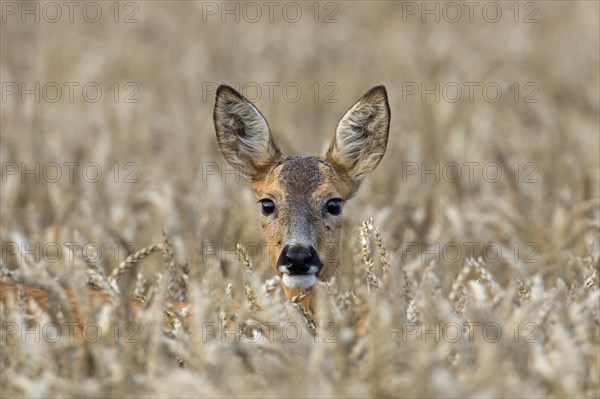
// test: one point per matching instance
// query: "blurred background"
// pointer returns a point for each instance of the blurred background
(107, 132)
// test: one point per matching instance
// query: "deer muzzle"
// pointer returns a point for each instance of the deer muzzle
(299, 266)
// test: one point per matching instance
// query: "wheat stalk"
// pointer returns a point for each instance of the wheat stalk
(251, 300)
(365, 235)
(383, 255)
(459, 282)
(130, 262)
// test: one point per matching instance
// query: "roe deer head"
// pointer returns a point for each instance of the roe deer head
(302, 198)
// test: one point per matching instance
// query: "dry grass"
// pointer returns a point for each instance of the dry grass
(374, 333)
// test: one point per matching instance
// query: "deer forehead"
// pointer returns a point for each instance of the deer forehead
(301, 176)
(300, 180)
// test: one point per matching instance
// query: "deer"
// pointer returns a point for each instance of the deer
(302, 197)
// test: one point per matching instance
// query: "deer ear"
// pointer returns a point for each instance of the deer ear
(243, 134)
(361, 136)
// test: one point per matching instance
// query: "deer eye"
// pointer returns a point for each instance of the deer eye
(334, 206)
(268, 206)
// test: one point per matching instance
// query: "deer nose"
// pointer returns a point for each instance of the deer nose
(298, 256)
(299, 260)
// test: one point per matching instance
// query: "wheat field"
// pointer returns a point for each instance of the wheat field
(471, 254)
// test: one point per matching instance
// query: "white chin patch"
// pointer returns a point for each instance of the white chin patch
(303, 281)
